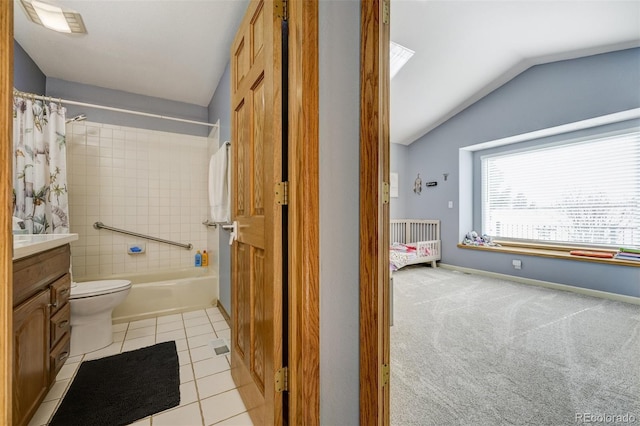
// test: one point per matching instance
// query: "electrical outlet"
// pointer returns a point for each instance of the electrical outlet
(517, 264)
(450, 204)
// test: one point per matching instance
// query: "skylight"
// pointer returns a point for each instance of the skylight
(398, 57)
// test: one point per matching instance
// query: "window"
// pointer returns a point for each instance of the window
(584, 192)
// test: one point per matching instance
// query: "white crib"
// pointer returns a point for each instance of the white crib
(424, 234)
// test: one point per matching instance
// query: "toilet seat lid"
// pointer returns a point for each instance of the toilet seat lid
(93, 288)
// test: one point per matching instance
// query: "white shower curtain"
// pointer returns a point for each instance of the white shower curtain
(40, 166)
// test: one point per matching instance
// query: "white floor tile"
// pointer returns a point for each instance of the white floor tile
(140, 332)
(57, 390)
(216, 317)
(112, 349)
(225, 334)
(181, 345)
(210, 390)
(194, 314)
(142, 323)
(67, 371)
(240, 420)
(43, 414)
(120, 327)
(189, 415)
(171, 335)
(188, 393)
(201, 352)
(220, 325)
(74, 359)
(210, 366)
(141, 342)
(200, 340)
(215, 384)
(222, 406)
(199, 329)
(170, 326)
(170, 318)
(186, 373)
(184, 358)
(191, 322)
(212, 310)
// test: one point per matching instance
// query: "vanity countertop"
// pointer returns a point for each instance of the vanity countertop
(27, 245)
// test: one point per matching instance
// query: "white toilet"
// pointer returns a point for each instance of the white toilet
(92, 303)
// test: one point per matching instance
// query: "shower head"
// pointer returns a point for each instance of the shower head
(80, 117)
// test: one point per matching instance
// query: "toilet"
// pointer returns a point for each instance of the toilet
(92, 303)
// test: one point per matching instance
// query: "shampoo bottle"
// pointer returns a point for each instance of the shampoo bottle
(205, 258)
(198, 259)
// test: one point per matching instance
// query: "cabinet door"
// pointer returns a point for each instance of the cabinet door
(30, 356)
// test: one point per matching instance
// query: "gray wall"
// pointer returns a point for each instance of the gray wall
(399, 160)
(339, 46)
(27, 76)
(542, 96)
(220, 109)
(118, 99)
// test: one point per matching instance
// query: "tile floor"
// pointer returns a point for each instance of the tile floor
(207, 393)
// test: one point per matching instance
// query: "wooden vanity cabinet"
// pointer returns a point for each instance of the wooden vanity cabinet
(41, 314)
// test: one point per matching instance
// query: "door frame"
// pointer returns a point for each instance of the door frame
(6, 188)
(304, 230)
(374, 212)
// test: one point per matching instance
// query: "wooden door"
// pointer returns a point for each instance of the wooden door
(257, 254)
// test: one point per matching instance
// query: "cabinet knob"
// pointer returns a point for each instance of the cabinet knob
(63, 324)
(53, 305)
(63, 356)
(64, 291)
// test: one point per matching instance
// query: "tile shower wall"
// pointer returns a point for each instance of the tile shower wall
(145, 181)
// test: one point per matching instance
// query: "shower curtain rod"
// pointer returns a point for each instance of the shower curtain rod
(126, 111)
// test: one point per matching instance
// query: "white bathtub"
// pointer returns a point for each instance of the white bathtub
(165, 293)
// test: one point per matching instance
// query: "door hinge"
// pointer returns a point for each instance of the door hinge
(282, 9)
(282, 380)
(385, 12)
(282, 193)
(385, 193)
(385, 374)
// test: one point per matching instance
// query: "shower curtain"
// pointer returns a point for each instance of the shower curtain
(40, 166)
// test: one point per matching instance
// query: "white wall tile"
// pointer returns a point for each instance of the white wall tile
(140, 180)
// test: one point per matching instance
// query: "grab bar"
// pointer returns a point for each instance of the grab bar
(223, 225)
(100, 225)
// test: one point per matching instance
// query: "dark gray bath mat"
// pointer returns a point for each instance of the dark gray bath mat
(123, 388)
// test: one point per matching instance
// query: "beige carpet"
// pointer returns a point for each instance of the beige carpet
(472, 350)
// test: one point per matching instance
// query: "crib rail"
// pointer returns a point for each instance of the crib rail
(412, 230)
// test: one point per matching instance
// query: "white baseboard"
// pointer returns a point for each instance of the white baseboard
(547, 284)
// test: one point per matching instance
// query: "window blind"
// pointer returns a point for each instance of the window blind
(584, 192)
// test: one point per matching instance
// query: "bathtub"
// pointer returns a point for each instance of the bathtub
(164, 293)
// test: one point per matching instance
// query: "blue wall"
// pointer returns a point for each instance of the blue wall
(27, 76)
(543, 96)
(339, 152)
(398, 162)
(220, 109)
(57, 88)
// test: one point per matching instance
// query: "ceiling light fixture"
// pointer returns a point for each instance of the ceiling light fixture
(54, 17)
(398, 56)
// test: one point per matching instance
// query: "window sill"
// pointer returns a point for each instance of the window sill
(555, 252)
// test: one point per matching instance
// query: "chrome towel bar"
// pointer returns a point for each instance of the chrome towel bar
(100, 225)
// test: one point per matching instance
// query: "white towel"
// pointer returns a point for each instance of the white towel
(219, 195)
